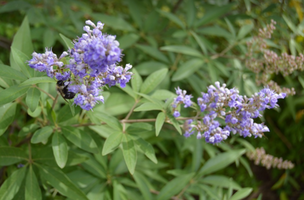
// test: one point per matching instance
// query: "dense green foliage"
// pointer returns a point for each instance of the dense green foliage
(131, 147)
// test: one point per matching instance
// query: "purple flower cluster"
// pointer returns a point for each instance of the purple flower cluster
(182, 98)
(92, 65)
(236, 110)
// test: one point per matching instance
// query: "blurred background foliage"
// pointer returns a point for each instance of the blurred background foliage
(172, 34)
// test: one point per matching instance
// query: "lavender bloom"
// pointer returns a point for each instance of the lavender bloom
(182, 98)
(237, 111)
(45, 62)
(92, 65)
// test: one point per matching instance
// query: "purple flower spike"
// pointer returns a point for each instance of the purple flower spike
(237, 111)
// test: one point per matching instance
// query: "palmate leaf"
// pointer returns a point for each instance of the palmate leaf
(61, 182)
(11, 185)
(153, 81)
(42, 135)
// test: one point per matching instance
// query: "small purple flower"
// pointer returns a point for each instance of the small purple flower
(237, 111)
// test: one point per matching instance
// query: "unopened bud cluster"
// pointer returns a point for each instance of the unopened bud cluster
(270, 62)
(225, 112)
(92, 65)
(259, 156)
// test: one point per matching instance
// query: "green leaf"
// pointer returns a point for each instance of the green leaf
(32, 189)
(60, 149)
(129, 153)
(161, 117)
(11, 73)
(136, 81)
(221, 161)
(28, 129)
(220, 181)
(148, 107)
(244, 31)
(12, 93)
(213, 14)
(153, 81)
(154, 52)
(215, 31)
(7, 115)
(11, 155)
(64, 114)
(49, 38)
(187, 69)
(14, 6)
(11, 185)
(80, 139)
(69, 44)
(32, 98)
(142, 185)
(108, 119)
(290, 24)
(42, 135)
(113, 21)
(175, 123)
(61, 182)
(241, 194)
(22, 40)
(147, 68)
(199, 41)
(183, 50)
(173, 18)
(20, 62)
(112, 142)
(174, 186)
(146, 148)
(35, 80)
(128, 40)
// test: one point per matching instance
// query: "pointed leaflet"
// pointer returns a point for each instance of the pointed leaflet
(22, 39)
(11, 155)
(174, 186)
(129, 153)
(136, 81)
(11, 73)
(7, 115)
(153, 81)
(32, 98)
(42, 134)
(12, 184)
(213, 14)
(80, 139)
(60, 149)
(220, 181)
(220, 161)
(161, 117)
(12, 93)
(67, 41)
(154, 52)
(61, 182)
(32, 189)
(143, 187)
(108, 119)
(187, 69)
(35, 80)
(173, 18)
(183, 50)
(146, 148)
(241, 194)
(112, 142)
(20, 62)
